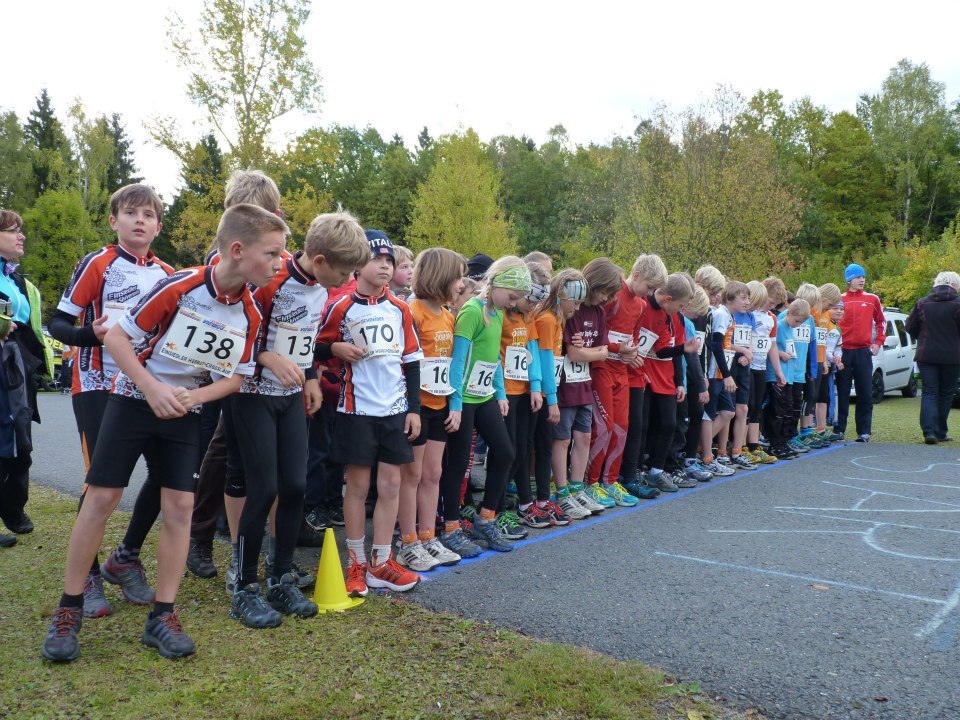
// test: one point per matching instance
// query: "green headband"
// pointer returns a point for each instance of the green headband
(515, 278)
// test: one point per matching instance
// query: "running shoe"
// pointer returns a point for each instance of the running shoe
(416, 558)
(812, 441)
(391, 576)
(440, 553)
(165, 633)
(696, 471)
(130, 577)
(95, 603)
(783, 452)
(335, 514)
(599, 495)
(468, 512)
(511, 488)
(764, 443)
(489, 534)
(573, 509)
(250, 607)
(644, 492)
(582, 497)
(620, 495)
(304, 577)
(356, 581)
(683, 481)
(797, 446)
(836, 437)
(535, 517)
(865, 438)
(718, 469)
(740, 461)
(61, 643)
(725, 460)
(285, 596)
(556, 514)
(509, 526)
(200, 559)
(458, 543)
(661, 481)
(762, 457)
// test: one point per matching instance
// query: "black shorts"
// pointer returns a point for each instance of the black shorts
(741, 376)
(88, 409)
(432, 425)
(367, 440)
(129, 430)
(720, 400)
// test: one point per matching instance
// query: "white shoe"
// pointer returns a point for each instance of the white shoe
(416, 558)
(572, 508)
(441, 553)
(587, 502)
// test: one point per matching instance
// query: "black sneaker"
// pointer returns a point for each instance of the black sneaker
(312, 528)
(489, 534)
(285, 596)
(304, 577)
(783, 452)
(61, 644)
(8, 540)
(130, 577)
(21, 525)
(930, 439)
(200, 559)
(249, 607)
(335, 514)
(165, 633)
(865, 438)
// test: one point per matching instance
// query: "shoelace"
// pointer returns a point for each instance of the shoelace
(65, 620)
(172, 623)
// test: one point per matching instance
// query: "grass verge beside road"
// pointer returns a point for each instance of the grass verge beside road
(387, 658)
(897, 420)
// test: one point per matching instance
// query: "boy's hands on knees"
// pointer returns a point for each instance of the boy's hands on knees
(348, 352)
(504, 407)
(288, 372)
(411, 426)
(553, 414)
(100, 327)
(536, 401)
(165, 401)
(312, 398)
(729, 384)
(452, 423)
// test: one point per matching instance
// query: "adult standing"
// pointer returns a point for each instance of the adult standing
(863, 329)
(23, 356)
(935, 323)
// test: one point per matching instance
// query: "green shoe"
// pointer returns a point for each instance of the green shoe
(599, 495)
(509, 526)
(620, 495)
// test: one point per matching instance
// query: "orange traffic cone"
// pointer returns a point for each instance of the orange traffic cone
(331, 591)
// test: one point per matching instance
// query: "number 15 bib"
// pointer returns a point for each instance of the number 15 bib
(203, 343)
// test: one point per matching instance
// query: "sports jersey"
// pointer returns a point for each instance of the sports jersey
(550, 343)
(803, 337)
(785, 343)
(764, 329)
(834, 342)
(638, 375)
(518, 330)
(823, 325)
(484, 347)
(589, 323)
(383, 326)
(292, 305)
(623, 315)
(435, 331)
(863, 323)
(737, 330)
(106, 282)
(189, 331)
(663, 362)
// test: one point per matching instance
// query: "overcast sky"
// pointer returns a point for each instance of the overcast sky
(517, 67)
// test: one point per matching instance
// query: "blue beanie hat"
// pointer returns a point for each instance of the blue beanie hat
(853, 271)
(380, 244)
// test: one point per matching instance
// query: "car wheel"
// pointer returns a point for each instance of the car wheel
(876, 387)
(911, 389)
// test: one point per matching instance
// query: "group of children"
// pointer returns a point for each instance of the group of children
(582, 390)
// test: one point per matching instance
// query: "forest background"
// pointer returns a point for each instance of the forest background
(749, 183)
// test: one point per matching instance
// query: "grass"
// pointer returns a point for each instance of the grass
(897, 420)
(387, 658)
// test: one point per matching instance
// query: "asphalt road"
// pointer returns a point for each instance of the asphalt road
(826, 587)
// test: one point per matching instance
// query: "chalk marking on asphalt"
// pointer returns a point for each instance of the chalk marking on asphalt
(806, 578)
(856, 461)
(949, 605)
(796, 511)
(899, 497)
(793, 532)
(903, 482)
(439, 572)
(861, 501)
(869, 537)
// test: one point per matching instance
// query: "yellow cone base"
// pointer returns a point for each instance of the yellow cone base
(331, 590)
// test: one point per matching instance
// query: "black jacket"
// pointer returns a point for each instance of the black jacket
(935, 323)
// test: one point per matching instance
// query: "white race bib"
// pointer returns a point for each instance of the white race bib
(204, 343)
(742, 335)
(557, 368)
(618, 338)
(295, 343)
(729, 355)
(761, 346)
(801, 333)
(792, 349)
(645, 342)
(821, 337)
(576, 372)
(702, 337)
(435, 376)
(516, 363)
(113, 311)
(480, 382)
(378, 335)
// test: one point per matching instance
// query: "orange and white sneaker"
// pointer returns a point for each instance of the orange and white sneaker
(357, 579)
(391, 576)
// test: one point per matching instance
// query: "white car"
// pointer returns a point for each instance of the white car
(893, 367)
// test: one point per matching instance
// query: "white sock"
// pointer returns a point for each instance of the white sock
(355, 548)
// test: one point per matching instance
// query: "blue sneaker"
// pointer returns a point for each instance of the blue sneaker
(644, 492)
(165, 633)
(599, 495)
(620, 495)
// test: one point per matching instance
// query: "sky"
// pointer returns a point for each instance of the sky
(517, 68)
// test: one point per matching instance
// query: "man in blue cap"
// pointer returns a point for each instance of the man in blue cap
(863, 329)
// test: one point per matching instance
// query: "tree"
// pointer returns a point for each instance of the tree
(248, 66)
(95, 156)
(456, 207)
(123, 169)
(59, 232)
(50, 149)
(912, 129)
(16, 169)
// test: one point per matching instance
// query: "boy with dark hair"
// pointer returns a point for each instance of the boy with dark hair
(196, 324)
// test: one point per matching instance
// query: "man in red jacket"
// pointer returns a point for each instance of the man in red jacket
(863, 329)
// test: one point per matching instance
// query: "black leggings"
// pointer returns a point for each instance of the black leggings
(543, 452)
(488, 421)
(758, 389)
(633, 447)
(811, 390)
(269, 436)
(663, 421)
(518, 428)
